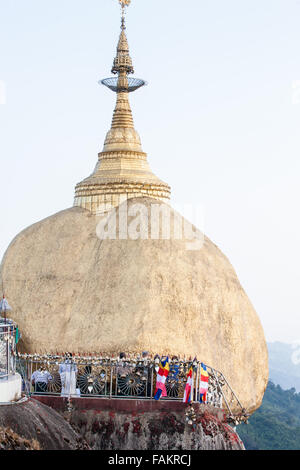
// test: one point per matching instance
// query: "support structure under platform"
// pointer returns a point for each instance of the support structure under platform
(124, 424)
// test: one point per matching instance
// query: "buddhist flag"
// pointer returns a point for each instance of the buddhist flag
(203, 383)
(162, 375)
(187, 398)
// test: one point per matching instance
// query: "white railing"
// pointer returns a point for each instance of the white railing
(8, 330)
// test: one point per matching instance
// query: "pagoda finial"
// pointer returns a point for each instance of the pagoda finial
(122, 66)
(122, 62)
(124, 4)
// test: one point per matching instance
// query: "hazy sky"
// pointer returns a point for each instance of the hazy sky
(220, 121)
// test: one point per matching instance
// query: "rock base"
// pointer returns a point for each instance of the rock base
(122, 424)
(31, 425)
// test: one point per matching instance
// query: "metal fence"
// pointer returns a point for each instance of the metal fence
(8, 330)
(121, 378)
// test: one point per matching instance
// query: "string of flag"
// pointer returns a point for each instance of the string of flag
(163, 373)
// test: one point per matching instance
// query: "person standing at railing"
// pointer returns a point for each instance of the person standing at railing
(40, 379)
(147, 373)
(123, 368)
(142, 371)
(172, 382)
(68, 372)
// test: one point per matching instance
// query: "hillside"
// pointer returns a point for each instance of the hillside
(276, 425)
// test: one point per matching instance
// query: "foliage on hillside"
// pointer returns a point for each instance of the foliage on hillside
(276, 425)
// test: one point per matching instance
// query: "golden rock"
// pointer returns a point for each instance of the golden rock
(73, 291)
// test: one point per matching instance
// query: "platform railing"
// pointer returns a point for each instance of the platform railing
(8, 330)
(134, 378)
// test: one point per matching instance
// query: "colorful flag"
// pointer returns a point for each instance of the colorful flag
(187, 398)
(204, 377)
(162, 375)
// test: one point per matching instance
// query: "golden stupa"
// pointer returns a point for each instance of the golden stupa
(74, 291)
(122, 167)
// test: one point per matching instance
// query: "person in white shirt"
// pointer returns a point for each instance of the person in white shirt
(68, 372)
(40, 379)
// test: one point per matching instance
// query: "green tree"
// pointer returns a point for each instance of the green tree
(276, 425)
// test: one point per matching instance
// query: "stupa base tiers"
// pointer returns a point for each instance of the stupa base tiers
(146, 425)
(109, 199)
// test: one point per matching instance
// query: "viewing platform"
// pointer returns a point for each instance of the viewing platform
(85, 378)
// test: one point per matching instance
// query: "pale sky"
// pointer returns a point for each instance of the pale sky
(220, 121)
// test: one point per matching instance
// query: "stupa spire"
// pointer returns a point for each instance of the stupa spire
(122, 85)
(122, 61)
(122, 169)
